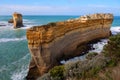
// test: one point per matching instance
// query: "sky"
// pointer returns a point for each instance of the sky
(59, 7)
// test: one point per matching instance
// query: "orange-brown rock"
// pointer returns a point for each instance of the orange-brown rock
(10, 21)
(48, 44)
(17, 20)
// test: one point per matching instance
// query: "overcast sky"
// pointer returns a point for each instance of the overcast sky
(59, 7)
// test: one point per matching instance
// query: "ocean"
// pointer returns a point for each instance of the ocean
(14, 53)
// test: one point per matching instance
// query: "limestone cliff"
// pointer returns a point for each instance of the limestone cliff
(17, 20)
(48, 44)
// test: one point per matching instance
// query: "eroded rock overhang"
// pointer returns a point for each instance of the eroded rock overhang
(50, 43)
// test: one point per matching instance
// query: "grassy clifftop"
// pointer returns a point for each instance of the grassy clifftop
(104, 66)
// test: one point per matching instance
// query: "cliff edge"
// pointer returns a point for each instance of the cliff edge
(48, 44)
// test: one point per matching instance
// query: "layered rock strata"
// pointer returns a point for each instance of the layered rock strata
(17, 20)
(48, 44)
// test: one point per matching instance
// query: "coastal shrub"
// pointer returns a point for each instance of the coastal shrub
(112, 49)
(45, 77)
(91, 55)
(90, 68)
(87, 68)
(72, 69)
(112, 62)
(108, 75)
(91, 72)
(57, 73)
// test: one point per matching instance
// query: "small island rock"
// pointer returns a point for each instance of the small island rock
(17, 20)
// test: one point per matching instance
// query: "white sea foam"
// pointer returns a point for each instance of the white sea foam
(3, 22)
(115, 30)
(21, 68)
(21, 73)
(98, 47)
(73, 59)
(3, 40)
(27, 26)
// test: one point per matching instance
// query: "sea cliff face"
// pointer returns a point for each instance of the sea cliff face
(48, 44)
(17, 20)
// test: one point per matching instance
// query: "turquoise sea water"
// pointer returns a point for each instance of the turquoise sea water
(14, 53)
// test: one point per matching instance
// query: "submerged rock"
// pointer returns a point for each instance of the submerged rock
(10, 21)
(49, 44)
(17, 20)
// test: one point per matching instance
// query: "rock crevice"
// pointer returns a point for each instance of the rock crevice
(48, 44)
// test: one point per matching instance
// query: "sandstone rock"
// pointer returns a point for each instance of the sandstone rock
(48, 44)
(17, 20)
(10, 21)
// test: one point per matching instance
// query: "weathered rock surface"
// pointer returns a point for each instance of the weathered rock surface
(48, 44)
(10, 21)
(17, 20)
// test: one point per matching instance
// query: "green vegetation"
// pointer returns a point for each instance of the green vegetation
(95, 63)
(112, 49)
(91, 68)
(57, 73)
(112, 63)
(91, 55)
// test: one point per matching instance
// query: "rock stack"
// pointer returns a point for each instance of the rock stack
(17, 20)
(48, 44)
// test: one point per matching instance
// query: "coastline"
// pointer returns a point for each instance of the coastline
(7, 39)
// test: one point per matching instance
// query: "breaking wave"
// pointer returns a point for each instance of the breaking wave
(3, 40)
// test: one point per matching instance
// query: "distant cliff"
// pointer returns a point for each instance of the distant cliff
(48, 44)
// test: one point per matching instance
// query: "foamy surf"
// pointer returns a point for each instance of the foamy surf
(21, 73)
(27, 24)
(17, 70)
(98, 47)
(3, 40)
(5, 24)
(26, 27)
(115, 30)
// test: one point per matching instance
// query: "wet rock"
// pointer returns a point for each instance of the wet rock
(10, 21)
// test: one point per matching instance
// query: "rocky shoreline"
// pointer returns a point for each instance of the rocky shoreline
(48, 44)
(103, 66)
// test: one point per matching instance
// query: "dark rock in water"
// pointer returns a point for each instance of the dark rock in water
(51, 43)
(17, 20)
(2, 25)
(10, 21)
